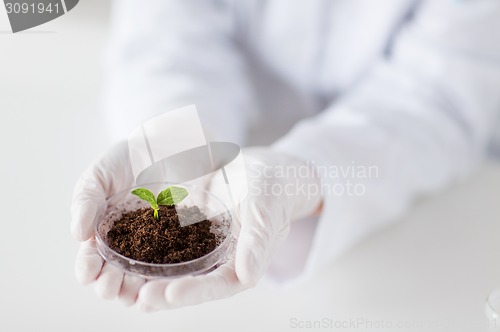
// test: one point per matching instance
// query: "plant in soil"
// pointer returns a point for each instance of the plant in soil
(169, 197)
(158, 237)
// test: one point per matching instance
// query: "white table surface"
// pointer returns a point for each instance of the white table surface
(434, 267)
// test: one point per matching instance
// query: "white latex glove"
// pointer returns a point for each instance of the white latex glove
(263, 221)
(108, 176)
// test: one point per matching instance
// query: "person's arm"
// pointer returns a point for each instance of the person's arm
(421, 119)
(164, 54)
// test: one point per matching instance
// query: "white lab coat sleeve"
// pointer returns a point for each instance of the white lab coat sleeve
(164, 54)
(417, 122)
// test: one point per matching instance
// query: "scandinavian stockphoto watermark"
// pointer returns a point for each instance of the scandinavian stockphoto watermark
(172, 147)
(348, 179)
(366, 323)
(26, 14)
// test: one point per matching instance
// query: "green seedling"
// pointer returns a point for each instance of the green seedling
(171, 196)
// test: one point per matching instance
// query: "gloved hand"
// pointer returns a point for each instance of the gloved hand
(262, 221)
(281, 188)
(108, 176)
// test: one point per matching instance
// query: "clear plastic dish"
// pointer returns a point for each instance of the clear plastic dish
(124, 201)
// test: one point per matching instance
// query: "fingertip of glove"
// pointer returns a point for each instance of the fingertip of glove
(127, 302)
(104, 291)
(109, 282)
(129, 291)
(78, 233)
(181, 292)
(87, 269)
(82, 221)
(247, 269)
(153, 294)
(247, 280)
(147, 309)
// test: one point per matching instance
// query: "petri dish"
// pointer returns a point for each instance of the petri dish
(214, 209)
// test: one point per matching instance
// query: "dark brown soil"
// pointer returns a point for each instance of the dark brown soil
(138, 235)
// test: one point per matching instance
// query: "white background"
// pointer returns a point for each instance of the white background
(436, 265)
